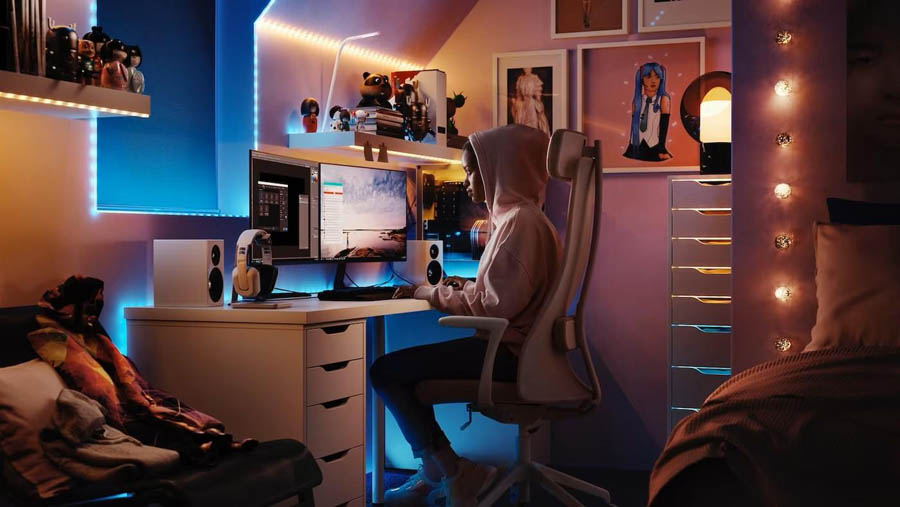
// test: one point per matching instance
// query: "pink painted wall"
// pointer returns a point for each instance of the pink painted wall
(628, 318)
(814, 165)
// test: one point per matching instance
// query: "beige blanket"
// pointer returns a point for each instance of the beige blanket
(819, 428)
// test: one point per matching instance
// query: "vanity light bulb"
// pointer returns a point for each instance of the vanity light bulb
(783, 37)
(782, 190)
(783, 344)
(783, 88)
(783, 293)
(783, 139)
(783, 241)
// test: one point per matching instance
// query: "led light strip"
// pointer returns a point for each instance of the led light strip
(410, 155)
(322, 41)
(73, 105)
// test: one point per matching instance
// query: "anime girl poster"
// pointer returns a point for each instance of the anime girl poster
(630, 96)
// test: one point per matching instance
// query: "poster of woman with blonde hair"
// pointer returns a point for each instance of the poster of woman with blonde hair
(530, 97)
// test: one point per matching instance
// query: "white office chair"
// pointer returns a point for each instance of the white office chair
(546, 388)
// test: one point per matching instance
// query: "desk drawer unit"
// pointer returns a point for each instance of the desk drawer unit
(335, 426)
(335, 381)
(336, 343)
(343, 477)
(700, 290)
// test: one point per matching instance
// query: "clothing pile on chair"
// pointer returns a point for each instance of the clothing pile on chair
(71, 339)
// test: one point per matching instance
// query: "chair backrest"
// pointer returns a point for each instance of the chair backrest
(568, 159)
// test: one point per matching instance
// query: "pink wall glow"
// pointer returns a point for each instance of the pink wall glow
(629, 324)
(814, 165)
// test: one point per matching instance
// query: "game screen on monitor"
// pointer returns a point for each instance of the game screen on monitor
(363, 213)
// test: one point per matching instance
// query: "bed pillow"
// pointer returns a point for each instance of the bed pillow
(857, 286)
(28, 393)
(845, 211)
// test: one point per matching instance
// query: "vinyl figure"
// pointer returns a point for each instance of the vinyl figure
(114, 75)
(99, 39)
(340, 118)
(62, 53)
(375, 90)
(86, 54)
(132, 62)
(309, 111)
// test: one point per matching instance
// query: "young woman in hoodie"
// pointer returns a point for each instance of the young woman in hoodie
(506, 169)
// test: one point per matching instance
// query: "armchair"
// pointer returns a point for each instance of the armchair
(555, 392)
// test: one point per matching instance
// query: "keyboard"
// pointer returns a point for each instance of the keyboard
(288, 295)
(358, 294)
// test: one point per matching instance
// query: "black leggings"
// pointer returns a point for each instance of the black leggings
(395, 375)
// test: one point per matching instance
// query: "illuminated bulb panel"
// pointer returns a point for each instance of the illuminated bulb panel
(783, 293)
(783, 37)
(73, 105)
(316, 39)
(783, 139)
(782, 190)
(783, 88)
(783, 241)
(783, 344)
(411, 155)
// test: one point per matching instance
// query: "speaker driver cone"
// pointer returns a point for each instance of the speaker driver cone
(434, 272)
(216, 284)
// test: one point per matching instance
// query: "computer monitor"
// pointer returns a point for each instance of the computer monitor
(363, 214)
(284, 200)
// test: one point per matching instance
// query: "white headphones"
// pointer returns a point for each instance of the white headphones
(253, 279)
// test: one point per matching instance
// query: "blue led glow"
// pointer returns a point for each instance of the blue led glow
(92, 158)
(93, 11)
(103, 498)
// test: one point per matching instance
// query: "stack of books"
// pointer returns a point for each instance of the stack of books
(381, 121)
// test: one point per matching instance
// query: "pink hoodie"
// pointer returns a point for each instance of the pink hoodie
(521, 257)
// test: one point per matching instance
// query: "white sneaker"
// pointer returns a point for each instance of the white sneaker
(417, 491)
(471, 480)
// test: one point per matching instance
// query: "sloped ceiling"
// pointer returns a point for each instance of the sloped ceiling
(413, 29)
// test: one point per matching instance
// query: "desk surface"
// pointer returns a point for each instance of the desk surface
(302, 311)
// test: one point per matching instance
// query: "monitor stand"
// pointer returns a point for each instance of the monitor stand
(339, 275)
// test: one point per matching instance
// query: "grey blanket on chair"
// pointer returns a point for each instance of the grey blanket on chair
(85, 447)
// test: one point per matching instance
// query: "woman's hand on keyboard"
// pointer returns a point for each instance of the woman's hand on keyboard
(404, 292)
(457, 282)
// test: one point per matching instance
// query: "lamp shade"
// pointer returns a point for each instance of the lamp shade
(715, 116)
(693, 96)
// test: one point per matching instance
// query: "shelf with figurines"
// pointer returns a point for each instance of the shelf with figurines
(92, 77)
(413, 129)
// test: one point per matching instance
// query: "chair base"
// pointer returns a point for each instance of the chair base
(526, 472)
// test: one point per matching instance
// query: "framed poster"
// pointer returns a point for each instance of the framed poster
(588, 18)
(629, 95)
(663, 15)
(530, 88)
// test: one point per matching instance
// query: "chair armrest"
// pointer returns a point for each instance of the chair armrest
(495, 327)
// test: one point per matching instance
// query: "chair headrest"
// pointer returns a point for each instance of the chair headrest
(566, 149)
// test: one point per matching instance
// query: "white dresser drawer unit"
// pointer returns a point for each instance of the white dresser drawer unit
(701, 281)
(692, 223)
(336, 343)
(701, 346)
(701, 193)
(701, 252)
(691, 386)
(335, 426)
(713, 311)
(335, 381)
(343, 477)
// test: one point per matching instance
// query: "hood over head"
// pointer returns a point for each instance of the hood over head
(513, 164)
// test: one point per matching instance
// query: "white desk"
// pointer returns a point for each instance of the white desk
(294, 372)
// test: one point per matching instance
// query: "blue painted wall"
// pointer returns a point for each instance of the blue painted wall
(169, 159)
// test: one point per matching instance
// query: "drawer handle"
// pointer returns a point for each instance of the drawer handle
(706, 370)
(340, 365)
(713, 212)
(335, 329)
(336, 403)
(713, 301)
(713, 271)
(711, 242)
(336, 456)
(713, 329)
(714, 183)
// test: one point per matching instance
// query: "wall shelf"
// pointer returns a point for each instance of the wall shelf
(41, 95)
(354, 142)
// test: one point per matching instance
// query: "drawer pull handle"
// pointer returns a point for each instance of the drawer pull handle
(713, 329)
(706, 370)
(714, 183)
(713, 301)
(711, 242)
(340, 365)
(336, 403)
(713, 212)
(336, 456)
(336, 329)
(713, 271)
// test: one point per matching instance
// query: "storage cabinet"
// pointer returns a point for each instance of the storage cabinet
(700, 290)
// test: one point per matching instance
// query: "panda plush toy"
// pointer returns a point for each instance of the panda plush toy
(375, 90)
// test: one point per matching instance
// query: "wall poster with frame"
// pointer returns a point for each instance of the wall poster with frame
(664, 15)
(531, 88)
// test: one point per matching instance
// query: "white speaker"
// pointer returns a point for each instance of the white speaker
(188, 272)
(424, 262)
